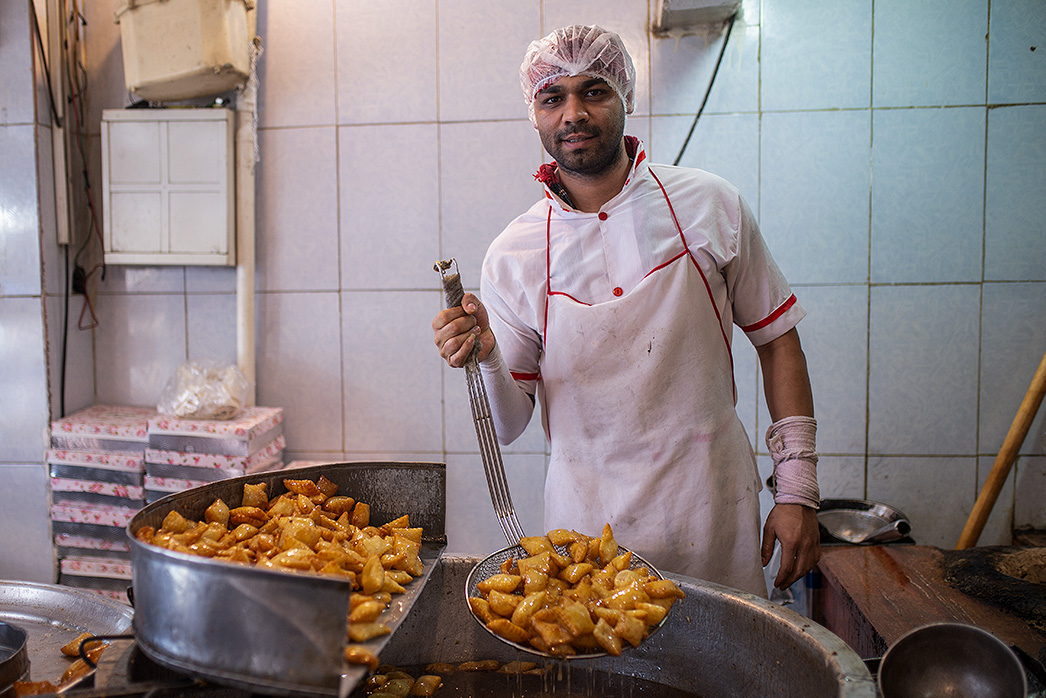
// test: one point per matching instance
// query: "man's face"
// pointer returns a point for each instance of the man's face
(581, 121)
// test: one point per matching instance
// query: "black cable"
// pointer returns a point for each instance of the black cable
(65, 337)
(43, 60)
(708, 91)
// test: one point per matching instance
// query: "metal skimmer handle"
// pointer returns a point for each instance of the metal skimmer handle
(486, 434)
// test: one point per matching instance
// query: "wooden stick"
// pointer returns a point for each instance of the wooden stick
(1007, 454)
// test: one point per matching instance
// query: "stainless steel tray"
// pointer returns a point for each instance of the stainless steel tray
(265, 630)
(54, 615)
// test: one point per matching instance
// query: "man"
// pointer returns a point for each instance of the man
(612, 300)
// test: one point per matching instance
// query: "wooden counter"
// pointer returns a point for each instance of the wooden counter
(872, 595)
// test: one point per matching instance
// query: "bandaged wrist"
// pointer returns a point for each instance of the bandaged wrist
(510, 405)
(793, 447)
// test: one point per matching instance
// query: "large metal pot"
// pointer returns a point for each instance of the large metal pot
(272, 632)
(266, 630)
(717, 642)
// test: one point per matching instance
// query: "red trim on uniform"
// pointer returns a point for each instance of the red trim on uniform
(562, 293)
(525, 376)
(708, 288)
(771, 317)
(631, 147)
(686, 251)
(662, 266)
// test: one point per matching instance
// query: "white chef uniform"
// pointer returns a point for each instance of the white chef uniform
(620, 321)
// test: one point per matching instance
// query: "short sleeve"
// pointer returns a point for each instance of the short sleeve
(764, 305)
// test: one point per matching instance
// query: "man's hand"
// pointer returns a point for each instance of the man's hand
(456, 331)
(795, 526)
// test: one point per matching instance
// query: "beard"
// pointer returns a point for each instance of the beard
(599, 155)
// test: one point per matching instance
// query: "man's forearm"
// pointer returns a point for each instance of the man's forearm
(786, 383)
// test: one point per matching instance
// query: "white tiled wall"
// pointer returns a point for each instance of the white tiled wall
(25, 315)
(892, 155)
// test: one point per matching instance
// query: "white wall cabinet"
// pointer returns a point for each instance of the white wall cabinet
(167, 178)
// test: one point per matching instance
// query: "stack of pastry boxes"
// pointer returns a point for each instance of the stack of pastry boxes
(186, 453)
(97, 465)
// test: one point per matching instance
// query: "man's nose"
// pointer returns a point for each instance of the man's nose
(574, 109)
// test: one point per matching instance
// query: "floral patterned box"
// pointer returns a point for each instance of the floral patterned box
(186, 472)
(91, 543)
(158, 487)
(108, 428)
(113, 490)
(244, 435)
(98, 460)
(113, 477)
(111, 587)
(96, 567)
(197, 461)
(72, 491)
(111, 534)
(92, 515)
(110, 470)
(72, 545)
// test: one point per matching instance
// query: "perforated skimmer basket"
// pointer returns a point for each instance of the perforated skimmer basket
(491, 565)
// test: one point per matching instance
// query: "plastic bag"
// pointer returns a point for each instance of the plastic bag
(205, 389)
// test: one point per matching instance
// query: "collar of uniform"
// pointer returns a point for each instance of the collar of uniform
(548, 173)
(637, 153)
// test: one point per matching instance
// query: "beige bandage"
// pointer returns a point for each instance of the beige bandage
(793, 446)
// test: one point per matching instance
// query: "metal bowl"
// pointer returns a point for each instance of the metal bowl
(862, 522)
(951, 659)
(14, 659)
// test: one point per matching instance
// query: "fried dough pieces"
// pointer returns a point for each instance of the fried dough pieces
(585, 600)
(309, 528)
(76, 670)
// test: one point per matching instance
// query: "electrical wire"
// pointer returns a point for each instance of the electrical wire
(708, 90)
(77, 75)
(43, 61)
(73, 74)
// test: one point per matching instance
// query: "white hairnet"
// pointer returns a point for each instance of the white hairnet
(578, 50)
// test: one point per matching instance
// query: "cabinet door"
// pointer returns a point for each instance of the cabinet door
(169, 196)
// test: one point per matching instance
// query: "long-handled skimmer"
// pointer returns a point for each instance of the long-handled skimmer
(489, 450)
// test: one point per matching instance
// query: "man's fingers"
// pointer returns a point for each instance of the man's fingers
(795, 563)
(471, 305)
(767, 549)
(457, 348)
(784, 577)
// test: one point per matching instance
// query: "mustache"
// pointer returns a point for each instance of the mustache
(575, 131)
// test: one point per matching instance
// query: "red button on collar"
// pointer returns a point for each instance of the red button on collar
(602, 215)
(618, 291)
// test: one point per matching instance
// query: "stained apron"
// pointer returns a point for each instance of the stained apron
(638, 396)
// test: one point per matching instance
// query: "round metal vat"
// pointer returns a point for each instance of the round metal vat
(717, 642)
